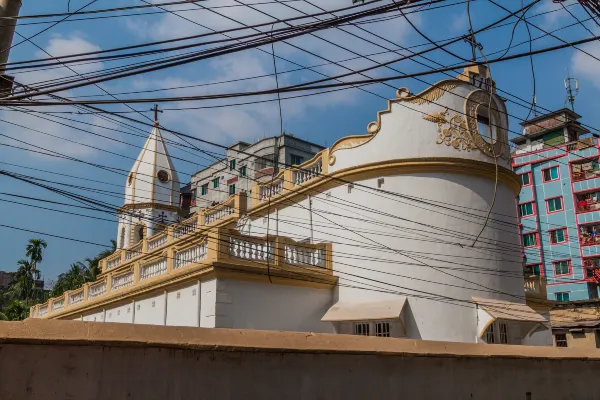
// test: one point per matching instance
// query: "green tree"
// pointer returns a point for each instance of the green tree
(15, 311)
(24, 287)
(34, 251)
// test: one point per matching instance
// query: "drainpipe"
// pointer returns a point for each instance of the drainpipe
(8, 8)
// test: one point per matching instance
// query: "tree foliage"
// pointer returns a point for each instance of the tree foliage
(23, 292)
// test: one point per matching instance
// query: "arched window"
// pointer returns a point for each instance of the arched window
(139, 232)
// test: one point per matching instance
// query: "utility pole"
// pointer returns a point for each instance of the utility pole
(9, 9)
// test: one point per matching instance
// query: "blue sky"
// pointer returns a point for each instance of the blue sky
(322, 119)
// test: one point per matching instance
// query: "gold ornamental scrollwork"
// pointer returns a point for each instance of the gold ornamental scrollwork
(455, 135)
(495, 147)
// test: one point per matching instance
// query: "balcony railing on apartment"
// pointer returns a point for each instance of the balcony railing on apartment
(587, 204)
(220, 245)
(589, 236)
(587, 170)
(535, 286)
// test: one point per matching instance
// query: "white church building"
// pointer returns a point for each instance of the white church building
(381, 234)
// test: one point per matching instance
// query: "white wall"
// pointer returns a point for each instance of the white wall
(253, 305)
(182, 305)
(121, 314)
(208, 290)
(393, 246)
(151, 310)
(95, 317)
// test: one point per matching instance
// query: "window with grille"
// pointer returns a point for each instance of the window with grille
(550, 174)
(561, 340)
(558, 236)
(562, 268)
(529, 240)
(489, 334)
(382, 329)
(554, 204)
(361, 329)
(503, 334)
(526, 209)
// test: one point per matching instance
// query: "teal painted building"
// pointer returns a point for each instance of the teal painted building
(559, 204)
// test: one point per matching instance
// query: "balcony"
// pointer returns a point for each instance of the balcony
(203, 253)
(585, 170)
(535, 286)
(589, 235)
(588, 202)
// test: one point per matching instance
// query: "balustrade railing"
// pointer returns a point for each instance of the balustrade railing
(134, 252)
(76, 297)
(97, 290)
(122, 281)
(153, 269)
(185, 227)
(156, 241)
(270, 189)
(230, 245)
(113, 262)
(304, 256)
(251, 249)
(191, 255)
(43, 310)
(306, 172)
(219, 214)
(58, 304)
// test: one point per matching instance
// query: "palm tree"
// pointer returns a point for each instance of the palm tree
(24, 286)
(34, 251)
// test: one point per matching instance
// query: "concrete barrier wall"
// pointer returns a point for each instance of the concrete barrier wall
(84, 360)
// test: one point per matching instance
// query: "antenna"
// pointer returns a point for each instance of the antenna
(571, 92)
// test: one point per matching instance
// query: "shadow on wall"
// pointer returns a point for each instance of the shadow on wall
(410, 323)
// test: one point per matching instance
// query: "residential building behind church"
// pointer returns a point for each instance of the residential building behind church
(559, 204)
(245, 164)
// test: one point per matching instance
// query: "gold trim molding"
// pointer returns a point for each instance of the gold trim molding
(462, 166)
(157, 206)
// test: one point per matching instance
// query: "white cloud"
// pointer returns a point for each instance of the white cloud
(53, 136)
(247, 122)
(584, 66)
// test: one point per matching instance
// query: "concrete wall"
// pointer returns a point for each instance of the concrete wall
(69, 360)
(254, 305)
(584, 339)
